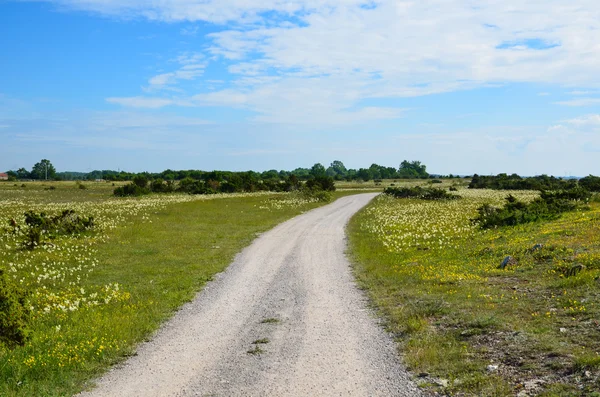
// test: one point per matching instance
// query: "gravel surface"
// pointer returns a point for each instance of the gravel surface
(323, 341)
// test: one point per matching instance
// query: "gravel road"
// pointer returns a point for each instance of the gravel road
(325, 342)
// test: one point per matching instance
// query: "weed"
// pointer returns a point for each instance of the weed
(270, 320)
(261, 341)
(256, 350)
(587, 362)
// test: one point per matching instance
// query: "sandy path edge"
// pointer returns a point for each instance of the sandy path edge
(326, 341)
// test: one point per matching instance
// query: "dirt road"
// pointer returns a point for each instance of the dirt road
(293, 288)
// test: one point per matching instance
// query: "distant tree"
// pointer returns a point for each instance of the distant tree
(412, 170)
(318, 170)
(325, 183)
(351, 175)
(591, 183)
(364, 174)
(43, 170)
(140, 180)
(271, 174)
(375, 171)
(337, 170)
(22, 173)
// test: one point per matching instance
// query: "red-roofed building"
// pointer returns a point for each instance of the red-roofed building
(3, 176)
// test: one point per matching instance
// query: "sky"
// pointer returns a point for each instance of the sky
(463, 86)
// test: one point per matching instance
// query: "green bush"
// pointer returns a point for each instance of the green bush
(325, 183)
(549, 205)
(131, 189)
(315, 194)
(428, 193)
(41, 225)
(14, 315)
(591, 183)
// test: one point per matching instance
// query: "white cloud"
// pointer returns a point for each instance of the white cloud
(396, 49)
(191, 66)
(189, 31)
(141, 102)
(580, 102)
(589, 120)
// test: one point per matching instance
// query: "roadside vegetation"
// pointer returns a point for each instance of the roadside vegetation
(106, 272)
(482, 306)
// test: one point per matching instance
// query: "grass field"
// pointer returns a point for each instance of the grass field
(466, 327)
(95, 295)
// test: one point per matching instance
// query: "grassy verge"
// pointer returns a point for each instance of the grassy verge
(95, 296)
(467, 327)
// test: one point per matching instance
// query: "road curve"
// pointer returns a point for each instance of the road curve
(326, 342)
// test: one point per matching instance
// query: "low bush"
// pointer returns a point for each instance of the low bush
(41, 226)
(549, 205)
(131, 189)
(325, 183)
(14, 315)
(427, 193)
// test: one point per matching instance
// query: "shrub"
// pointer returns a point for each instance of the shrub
(325, 183)
(140, 181)
(192, 186)
(315, 194)
(420, 193)
(160, 186)
(40, 225)
(591, 183)
(548, 206)
(131, 189)
(14, 315)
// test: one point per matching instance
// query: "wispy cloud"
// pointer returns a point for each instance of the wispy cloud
(580, 102)
(141, 102)
(310, 52)
(189, 31)
(191, 66)
(588, 120)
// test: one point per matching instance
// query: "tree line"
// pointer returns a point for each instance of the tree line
(540, 182)
(44, 170)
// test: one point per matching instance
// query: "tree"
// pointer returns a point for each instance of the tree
(22, 173)
(375, 171)
(337, 170)
(412, 169)
(364, 174)
(318, 170)
(43, 170)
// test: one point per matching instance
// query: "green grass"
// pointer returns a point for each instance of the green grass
(454, 312)
(160, 256)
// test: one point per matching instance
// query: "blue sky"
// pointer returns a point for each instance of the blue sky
(261, 84)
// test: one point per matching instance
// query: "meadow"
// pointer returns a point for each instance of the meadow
(465, 325)
(94, 295)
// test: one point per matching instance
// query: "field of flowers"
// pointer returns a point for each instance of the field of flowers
(469, 327)
(93, 295)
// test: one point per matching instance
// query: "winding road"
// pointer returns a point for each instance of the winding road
(293, 289)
